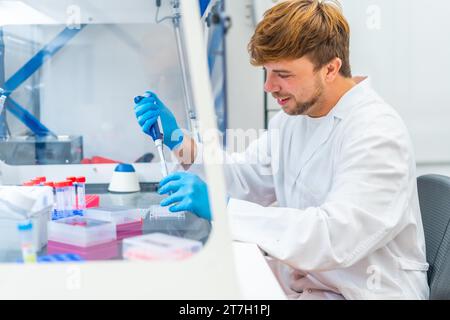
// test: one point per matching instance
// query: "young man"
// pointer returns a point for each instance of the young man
(338, 161)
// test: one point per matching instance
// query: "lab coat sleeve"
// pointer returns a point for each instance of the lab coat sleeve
(248, 175)
(364, 209)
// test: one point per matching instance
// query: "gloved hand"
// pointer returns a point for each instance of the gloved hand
(189, 193)
(147, 112)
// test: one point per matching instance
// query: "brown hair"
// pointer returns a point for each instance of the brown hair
(296, 28)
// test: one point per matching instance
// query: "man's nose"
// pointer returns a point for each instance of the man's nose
(270, 86)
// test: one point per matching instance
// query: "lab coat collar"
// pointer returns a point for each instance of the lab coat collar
(352, 98)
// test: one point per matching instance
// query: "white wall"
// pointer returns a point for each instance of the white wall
(403, 45)
(245, 82)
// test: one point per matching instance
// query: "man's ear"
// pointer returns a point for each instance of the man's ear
(332, 69)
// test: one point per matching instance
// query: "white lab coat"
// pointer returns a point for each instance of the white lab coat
(347, 221)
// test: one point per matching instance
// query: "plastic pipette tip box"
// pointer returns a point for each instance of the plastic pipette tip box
(102, 251)
(159, 246)
(129, 230)
(81, 231)
(157, 212)
(128, 220)
(116, 214)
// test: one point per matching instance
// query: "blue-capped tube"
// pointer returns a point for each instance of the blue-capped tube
(74, 195)
(81, 194)
(70, 198)
(60, 201)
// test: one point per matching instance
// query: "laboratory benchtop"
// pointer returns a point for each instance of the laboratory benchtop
(191, 227)
(255, 278)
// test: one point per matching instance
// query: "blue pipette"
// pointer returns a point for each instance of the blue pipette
(157, 137)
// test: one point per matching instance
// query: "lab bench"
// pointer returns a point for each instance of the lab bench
(190, 227)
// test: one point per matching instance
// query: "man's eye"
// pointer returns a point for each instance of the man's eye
(284, 76)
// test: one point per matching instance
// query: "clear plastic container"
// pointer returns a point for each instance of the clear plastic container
(116, 214)
(25, 229)
(18, 204)
(159, 246)
(157, 212)
(81, 231)
(128, 220)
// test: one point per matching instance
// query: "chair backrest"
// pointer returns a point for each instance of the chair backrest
(434, 197)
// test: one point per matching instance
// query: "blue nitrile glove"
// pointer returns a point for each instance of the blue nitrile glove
(148, 110)
(188, 192)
